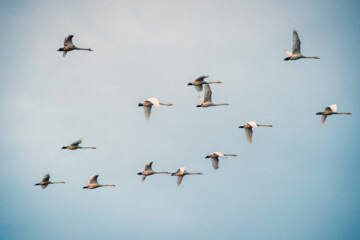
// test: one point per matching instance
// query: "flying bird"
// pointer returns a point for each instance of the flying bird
(149, 171)
(75, 145)
(181, 172)
(329, 110)
(45, 181)
(215, 158)
(296, 54)
(199, 82)
(248, 129)
(69, 46)
(93, 183)
(206, 102)
(148, 103)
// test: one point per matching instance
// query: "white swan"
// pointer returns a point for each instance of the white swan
(329, 110)
(199, 82)
(149, 171)
(296, 54)
(148, 103)
(69, 46)
(75, 145)
(248, 129)
(45, 181)
(206, 102)
(181, 172)
(215, 158)
(93, 183)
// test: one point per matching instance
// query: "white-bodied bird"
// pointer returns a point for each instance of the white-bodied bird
(69, 46)
(207, 102)
(215, 158)
(329, 110)
(199, 82)
(148, 103)
(93, 183)
(296, 54)
(75, 145)
(149, 171)
(248, 129)
(45, 181)
(181, 172)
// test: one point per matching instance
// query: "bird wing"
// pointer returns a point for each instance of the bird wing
(201, 78)
(179, 180)
(200, 99)
(215, 162)
(288, 53)
(296, 43)
(46, 178)
(147, 112)
(333, 107)
(182, 170)
(44, 186)
(143, 178)
(154, 101)
(208, 93)
(93, 179)
(248, 133)
(77, 142)
(148, 166)
(253, 124)
(323, 119)
(220, 154)
(199, 88)
(68, 41)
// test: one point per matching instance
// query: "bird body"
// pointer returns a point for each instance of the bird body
(69, 46)
(248, 129)
(215, 158)
(149, 171)
(181, 172)
(148, 103)
(93, 183)
(207, 102)
(329, 110)
(45, 181)
(199, 82)
(296, 53)
(75, 145)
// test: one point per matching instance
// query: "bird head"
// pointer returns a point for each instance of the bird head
(241, 127)
(85, 187)
(208, 156)
(140, 104)
(61, 49)
(190, 83)
(139, 173)
(318, 113)
(198, 105)
(64, 147)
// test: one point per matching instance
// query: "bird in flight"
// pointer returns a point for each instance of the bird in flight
(329, 110)
(93, 183)
(215, 158)
(248, 129)
(206, 102)
(296, 54)
(147, 105)
(149, 171)
(45, 181)
(75, 145)
(181, 172)
(69, 46)
(199, 82)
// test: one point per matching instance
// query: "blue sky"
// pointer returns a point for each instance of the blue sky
(298, 180)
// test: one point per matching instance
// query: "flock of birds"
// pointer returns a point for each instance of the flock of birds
(198, 83)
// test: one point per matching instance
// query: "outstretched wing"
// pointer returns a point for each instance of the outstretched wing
(44, 186)
(143, 178)
(46, 178)
(333, 107)
(253, 124)
(93, 179)
(215, 163)
(199, 88)
(296, 43)
(208, 93)
(248, 133)
(147, 112)
(200, 99)
(68, 41)
(154, 101)
(323, 119)
(179, 180)
(288, 53)
(77, 142)
(148, 166)
(220, 154)
(201, 78)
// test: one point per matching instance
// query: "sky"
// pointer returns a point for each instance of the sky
(297, 180)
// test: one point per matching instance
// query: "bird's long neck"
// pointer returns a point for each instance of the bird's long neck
(310, 57)
(56, 182)
(87, 49)
(220, 104)
(88, 147)
(161, 172)
(107, 185)
(198, 173)
(214, 82)
(264, 125)
(342, 113)
(166, 104)
(234, 155)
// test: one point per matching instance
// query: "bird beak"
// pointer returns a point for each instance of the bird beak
(241, 127)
